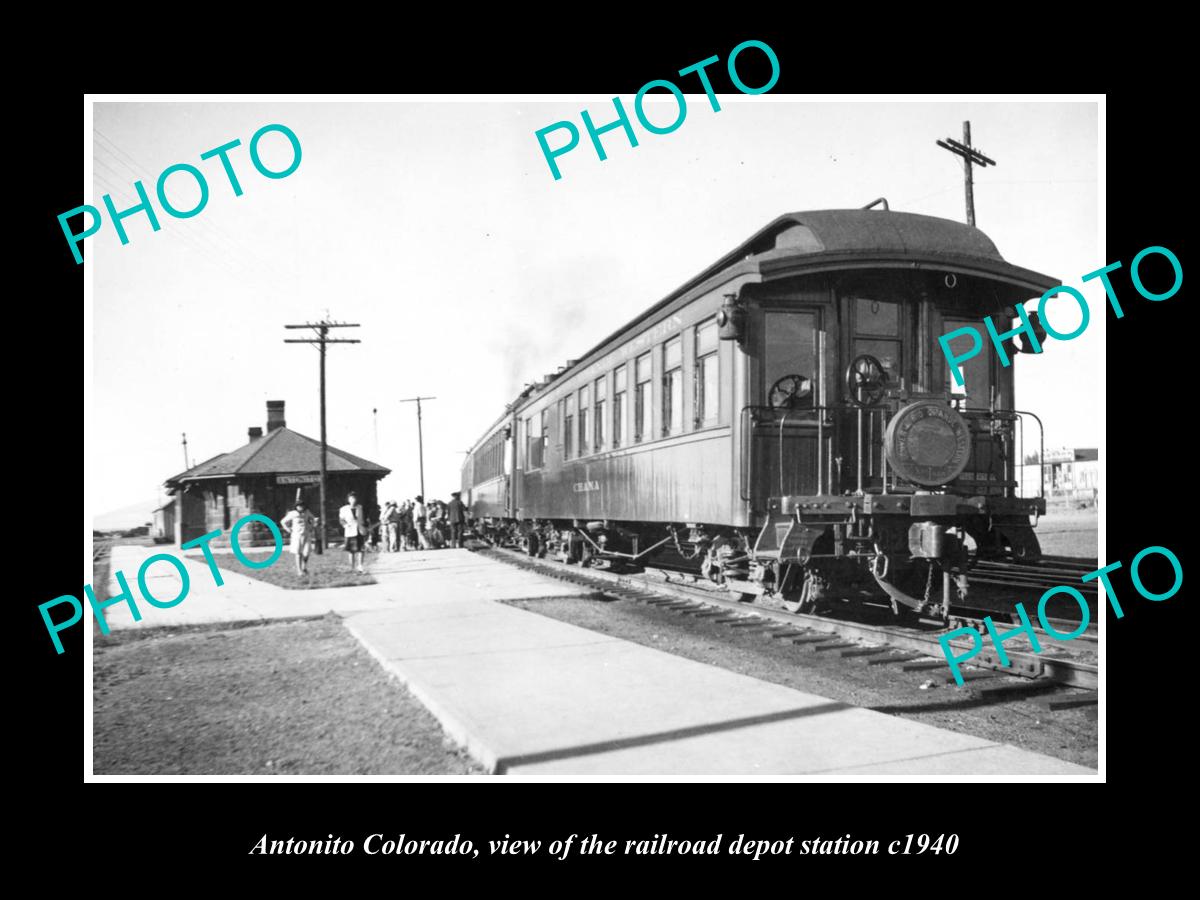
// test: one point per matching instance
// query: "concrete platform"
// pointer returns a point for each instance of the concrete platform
(243, 598)
(529, 695)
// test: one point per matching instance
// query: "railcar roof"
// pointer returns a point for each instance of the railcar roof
(840, 239)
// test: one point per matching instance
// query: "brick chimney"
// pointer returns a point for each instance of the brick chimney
(255, 432)
(275, 415)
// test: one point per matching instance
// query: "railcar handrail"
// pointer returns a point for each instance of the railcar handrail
(822, 417)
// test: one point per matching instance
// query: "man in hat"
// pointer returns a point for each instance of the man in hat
(391, 524)
(354, 527)
(456, 512)
(301, 525)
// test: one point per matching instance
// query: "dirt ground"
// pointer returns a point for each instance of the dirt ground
(1069, 734)
(1065, 531)
(297, 697)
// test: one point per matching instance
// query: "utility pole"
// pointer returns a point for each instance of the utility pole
(420, 438)
(970, 156)
(320, 340)
(186, 464)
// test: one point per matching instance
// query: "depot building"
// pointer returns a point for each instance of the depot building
(266, 476)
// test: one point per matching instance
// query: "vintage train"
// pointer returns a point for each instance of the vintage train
(785, 423)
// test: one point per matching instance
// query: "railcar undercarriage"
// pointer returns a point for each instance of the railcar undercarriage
(796, 562)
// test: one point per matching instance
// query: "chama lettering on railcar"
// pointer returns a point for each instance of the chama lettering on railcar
(786, 425)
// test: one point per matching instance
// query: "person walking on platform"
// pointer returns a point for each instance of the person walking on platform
(301, 525)
(419, 522)
(456, 512)
(354, 527)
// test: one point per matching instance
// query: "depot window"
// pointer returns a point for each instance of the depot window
(643, 399)
(707, 390)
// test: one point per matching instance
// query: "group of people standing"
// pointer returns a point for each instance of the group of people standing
(411, 525)
(419, 525)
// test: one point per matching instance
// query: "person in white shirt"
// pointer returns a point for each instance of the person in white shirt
(301, 525)
(354, 527)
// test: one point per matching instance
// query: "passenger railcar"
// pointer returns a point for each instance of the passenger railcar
(786, 423)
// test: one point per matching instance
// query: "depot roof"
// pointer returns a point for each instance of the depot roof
(279, 451)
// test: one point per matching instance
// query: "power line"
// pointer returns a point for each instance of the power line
(320, 341)
(971, 156)
(420, 439)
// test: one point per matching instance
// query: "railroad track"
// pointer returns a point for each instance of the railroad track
(668, 590)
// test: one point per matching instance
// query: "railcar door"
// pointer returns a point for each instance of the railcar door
(787, 435)
(875, 360)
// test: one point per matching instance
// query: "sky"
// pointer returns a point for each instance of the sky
(437, 226)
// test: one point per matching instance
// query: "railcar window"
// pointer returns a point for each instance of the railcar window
(887, 352)
(643, 398)
(976, 371)
(791, 348)
(585, 409)
(488, 460)
(672, 417)
(707, 391)
(618, 411)
(874, 322)
(877, 317)
(545, 437)
(600, 392)
(568, 425)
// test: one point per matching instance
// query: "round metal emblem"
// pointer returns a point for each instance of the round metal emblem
(928, 443)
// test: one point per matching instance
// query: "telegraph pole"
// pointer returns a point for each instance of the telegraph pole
(186, 465)
(420, 437)
(320, 340)
(970, 156)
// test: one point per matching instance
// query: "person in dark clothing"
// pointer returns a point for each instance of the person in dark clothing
(456, 512)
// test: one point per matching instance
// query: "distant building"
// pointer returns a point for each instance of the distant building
(1067, 473)
(265, 476)
(163, 531)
